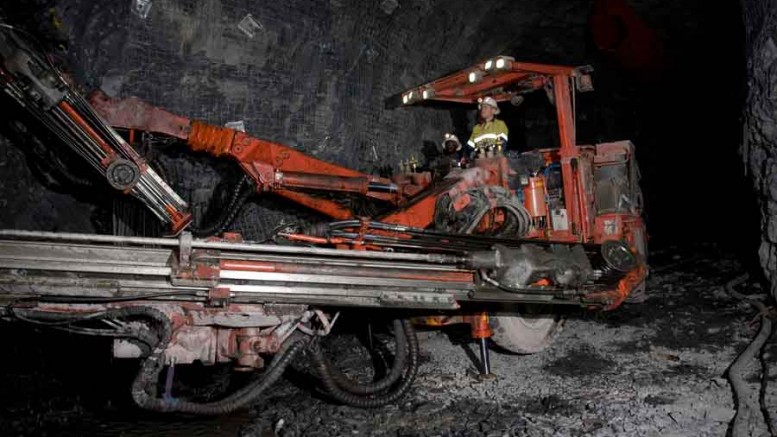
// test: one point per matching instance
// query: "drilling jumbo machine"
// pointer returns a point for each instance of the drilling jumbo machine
(498, 244)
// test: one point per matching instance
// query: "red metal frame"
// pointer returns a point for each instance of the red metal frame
(296, 176)
(273, 167)
(458, 88)
(576, 161)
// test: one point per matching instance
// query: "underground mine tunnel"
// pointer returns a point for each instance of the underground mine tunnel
(388, 217)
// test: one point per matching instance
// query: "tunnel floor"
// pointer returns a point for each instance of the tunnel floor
(655, 368)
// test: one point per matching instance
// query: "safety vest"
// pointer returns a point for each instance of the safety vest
(488, 133)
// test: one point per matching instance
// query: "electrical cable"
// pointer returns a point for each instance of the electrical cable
(749, 403)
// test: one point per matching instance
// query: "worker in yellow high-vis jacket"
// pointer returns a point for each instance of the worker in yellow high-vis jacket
(491, 133)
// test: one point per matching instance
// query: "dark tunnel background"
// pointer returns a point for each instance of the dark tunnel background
(315, 77)
(316, 74)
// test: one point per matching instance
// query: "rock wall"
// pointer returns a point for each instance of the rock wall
(760, 122)
(315, 75)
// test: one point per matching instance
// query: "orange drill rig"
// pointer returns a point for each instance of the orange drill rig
(553, 226)
(587, 195)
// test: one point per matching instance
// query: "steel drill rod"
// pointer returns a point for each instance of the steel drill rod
(242, 247)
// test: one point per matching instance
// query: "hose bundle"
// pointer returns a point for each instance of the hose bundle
(240, 194)
(144, 388)
(482, 201)
(379, 393)
(157, 339)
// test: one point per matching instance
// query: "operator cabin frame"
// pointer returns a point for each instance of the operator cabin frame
(503, 78)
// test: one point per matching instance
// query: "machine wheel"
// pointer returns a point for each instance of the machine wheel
(523, 329)
(527, 333)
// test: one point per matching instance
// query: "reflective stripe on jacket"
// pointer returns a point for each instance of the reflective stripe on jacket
(488, 133)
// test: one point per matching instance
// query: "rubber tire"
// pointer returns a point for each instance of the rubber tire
(525, 334)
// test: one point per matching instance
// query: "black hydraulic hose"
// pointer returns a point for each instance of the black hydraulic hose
(64, 321)
(52, 319)
(240, 195)
(396, 369)
(522, 223)
(144, 391)
(112, 299)
(374, 400)
(345, 224)
(144, 387)
(407, 244)
(471, 241)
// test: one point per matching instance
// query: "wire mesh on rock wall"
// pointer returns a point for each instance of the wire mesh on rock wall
(309, 74)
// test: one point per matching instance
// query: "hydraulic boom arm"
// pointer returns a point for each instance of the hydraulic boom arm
(33, 83)
(272, 166)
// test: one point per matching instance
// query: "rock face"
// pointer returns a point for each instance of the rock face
(760, 122)
(311, 75)
(315, 75)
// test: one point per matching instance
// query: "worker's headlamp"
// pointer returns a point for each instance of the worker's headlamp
(449, 140)
(488, 101)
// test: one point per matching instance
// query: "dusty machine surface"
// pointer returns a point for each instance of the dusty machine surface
(497, 244)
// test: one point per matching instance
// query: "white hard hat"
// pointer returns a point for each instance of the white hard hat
(450, 137)
(489, 101)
